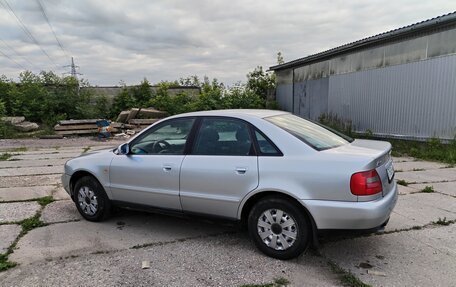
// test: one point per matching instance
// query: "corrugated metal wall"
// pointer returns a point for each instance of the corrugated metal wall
(313, 98)
(406, 88)
(412, 100)
(284, 90)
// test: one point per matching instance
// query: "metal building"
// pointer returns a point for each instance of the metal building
(401, 83)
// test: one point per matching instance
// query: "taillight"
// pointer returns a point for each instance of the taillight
(365, 183)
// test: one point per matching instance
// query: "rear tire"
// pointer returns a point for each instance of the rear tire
(91, 199)
(279, 228)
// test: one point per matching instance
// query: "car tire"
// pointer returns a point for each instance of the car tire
(272, 224)
(91, 199)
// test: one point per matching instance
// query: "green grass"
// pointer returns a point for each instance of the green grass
(432, 149)
(31, 223)
(346, 278)
(418, 169)
(278, 282)
(428, 189)
(444, 221)
(4, 263)
(86, 149)
(19, 149)
(43, 201)
(5, 156)
(27, 225)
(402, 182)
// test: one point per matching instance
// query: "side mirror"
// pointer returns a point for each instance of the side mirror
(123, 149)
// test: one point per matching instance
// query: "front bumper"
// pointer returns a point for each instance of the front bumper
(66, 183)
(352, 215)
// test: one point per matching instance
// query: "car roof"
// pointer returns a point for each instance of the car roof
(236, 113)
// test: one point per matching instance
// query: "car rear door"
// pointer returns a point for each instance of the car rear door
(221, 169)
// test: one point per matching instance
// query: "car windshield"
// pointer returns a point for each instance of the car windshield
(312, 134)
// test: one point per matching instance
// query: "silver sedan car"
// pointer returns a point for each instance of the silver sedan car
(286, 178)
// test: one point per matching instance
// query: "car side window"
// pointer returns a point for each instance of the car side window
(222, 136)
(167, 138)
(265, 145)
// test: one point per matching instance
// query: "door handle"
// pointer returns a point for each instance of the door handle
(167, 168)
(241, 170)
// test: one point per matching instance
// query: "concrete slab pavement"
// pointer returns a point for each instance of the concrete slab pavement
(413, 258)
(403, 190)
(122, 232)
(55, 155)
(60, 211)
(426, 176)
(32, 163)
(39, 170)
(448, 188)
(30, 180)
(25, 193)
(418, 165)
(185, 252)
(420, 209)
(223, 260)
(8, 233)
(17, 211)
(59, 193)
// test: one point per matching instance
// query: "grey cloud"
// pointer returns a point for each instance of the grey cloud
(169, 39)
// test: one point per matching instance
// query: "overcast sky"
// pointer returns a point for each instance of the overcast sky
(115, 41)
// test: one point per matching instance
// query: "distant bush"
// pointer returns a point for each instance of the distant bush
(45, 98)
(214, 95)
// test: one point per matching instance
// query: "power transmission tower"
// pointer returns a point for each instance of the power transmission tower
(73, 67)
(74, 74)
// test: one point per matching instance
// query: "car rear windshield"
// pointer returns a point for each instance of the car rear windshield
(318, 137)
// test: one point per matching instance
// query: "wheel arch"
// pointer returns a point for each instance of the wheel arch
(253, 199)
(78, 175)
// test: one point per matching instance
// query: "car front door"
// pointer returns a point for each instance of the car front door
(149, 173)
(221, 169)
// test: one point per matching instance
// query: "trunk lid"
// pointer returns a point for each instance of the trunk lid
(375, 154)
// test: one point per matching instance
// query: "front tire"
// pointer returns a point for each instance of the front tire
(279, 228)
(91, 199)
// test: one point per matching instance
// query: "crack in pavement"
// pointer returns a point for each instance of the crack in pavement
(145, 245)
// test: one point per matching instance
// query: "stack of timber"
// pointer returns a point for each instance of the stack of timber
(135, 119)
(139, 118)
(81, 127)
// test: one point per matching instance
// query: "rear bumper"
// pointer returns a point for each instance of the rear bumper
(352, 215)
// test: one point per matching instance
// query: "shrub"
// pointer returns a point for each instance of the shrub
(335, 122)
